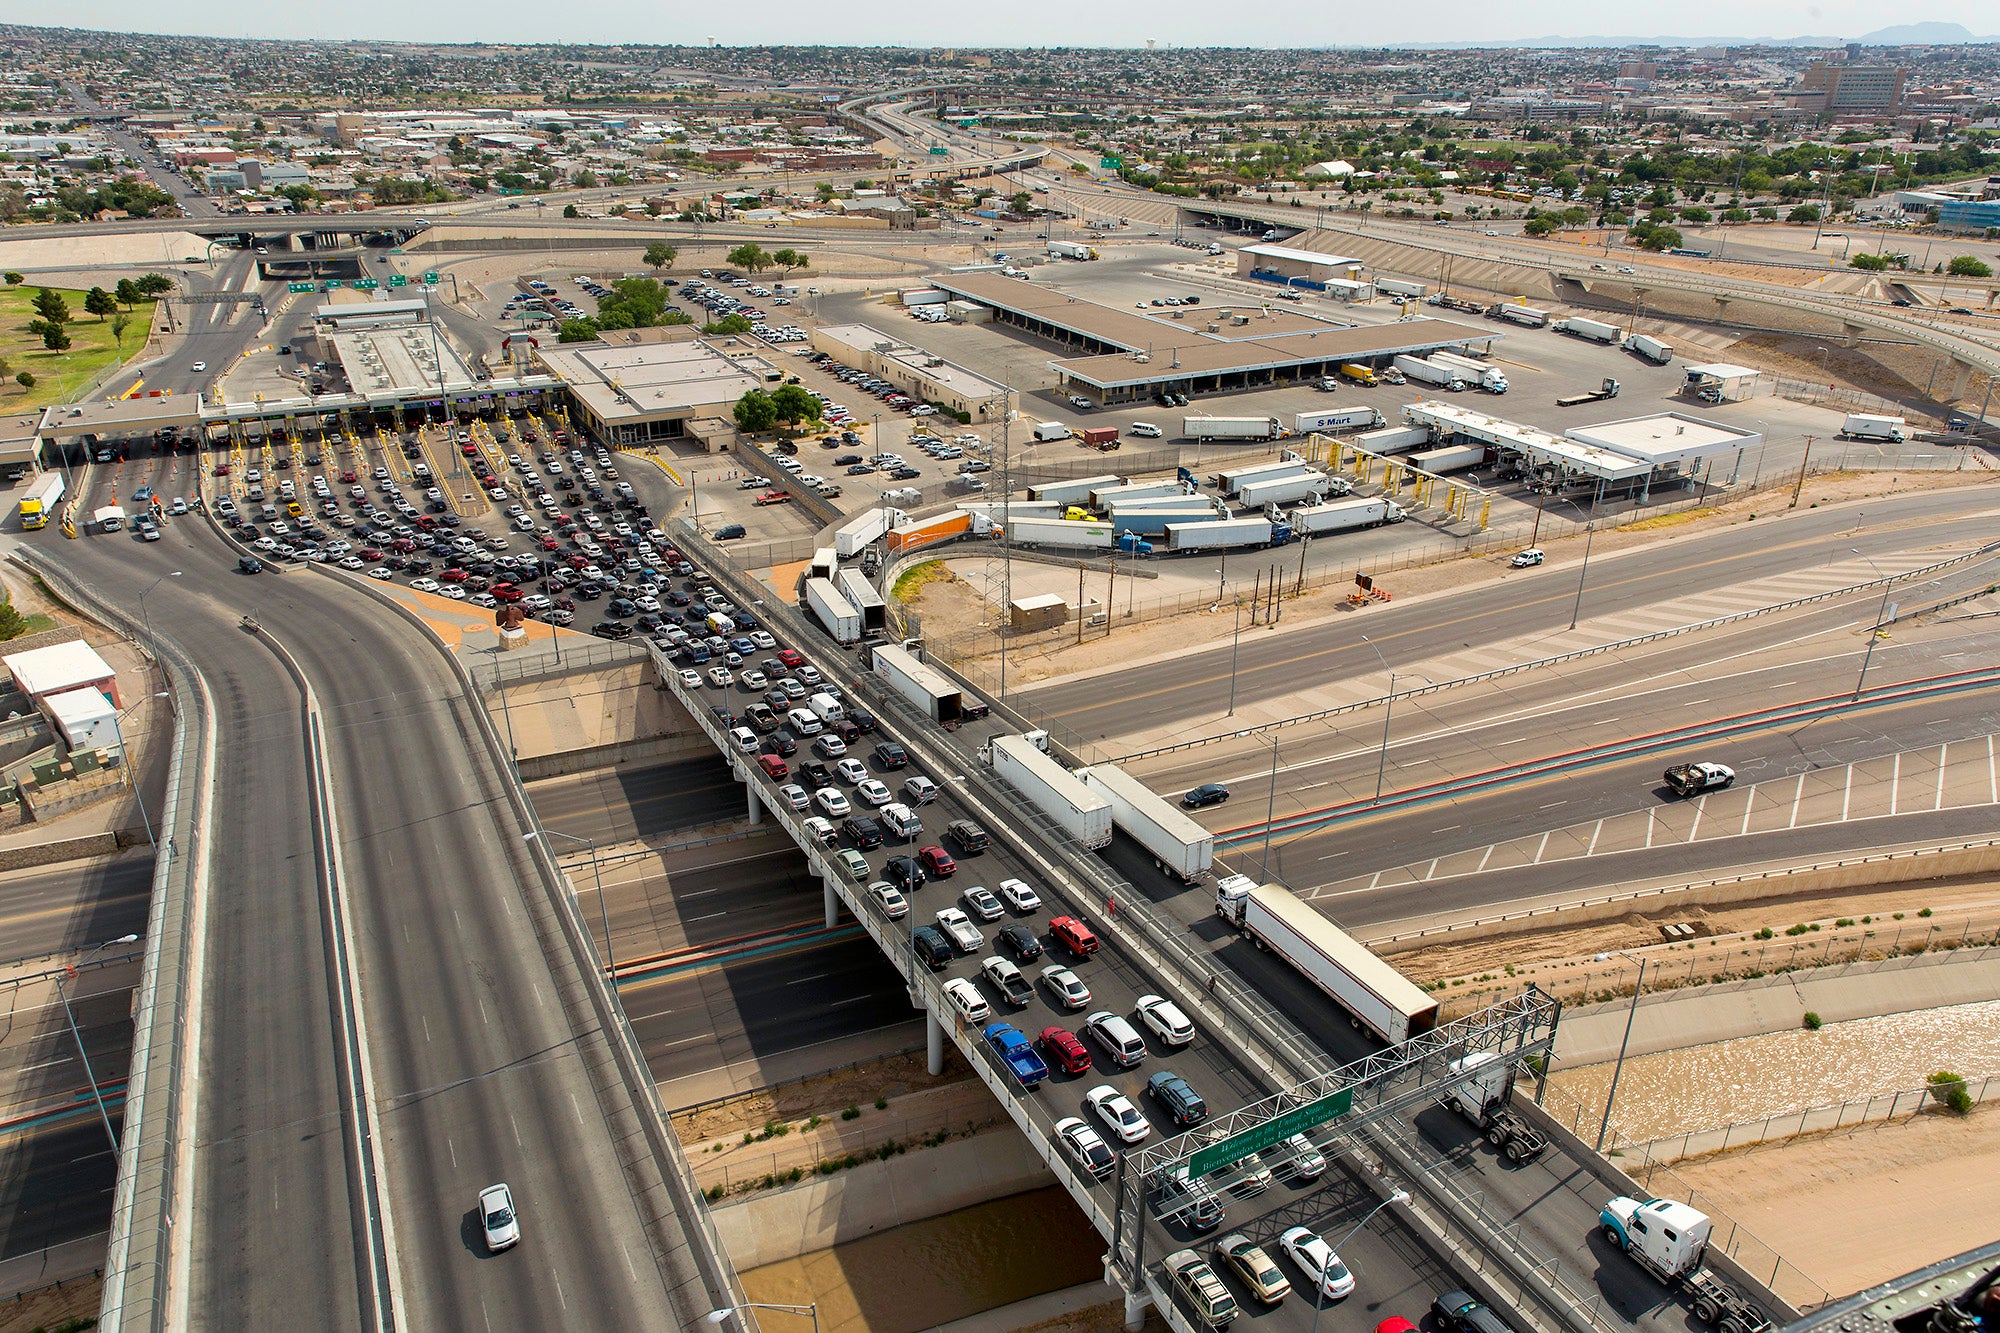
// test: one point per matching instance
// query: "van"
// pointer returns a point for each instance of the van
(804, 721)
(720, 624)
(900, 820)
(1145, 430)
(826, 708)
(1120, 1040)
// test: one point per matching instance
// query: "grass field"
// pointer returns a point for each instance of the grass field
(58, 375)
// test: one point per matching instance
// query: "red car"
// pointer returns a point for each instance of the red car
(937, 862)
(1065, 1051)
(551, 544)
(1074, 935)
(454, 575)
(222, 469)
(1396, 1324)
(774, 767)
(791, 658)
(506, 592)
(348, 476)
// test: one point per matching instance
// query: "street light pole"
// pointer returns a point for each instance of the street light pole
(603, 915)
(96, 1094)
(722, 1316)
(1589, 536)
(1875, 630)
(1619, 1068)
(1319, 1285)
(1270, 810)
(152, 641)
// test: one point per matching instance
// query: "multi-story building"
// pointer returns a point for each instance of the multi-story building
(1835, 88)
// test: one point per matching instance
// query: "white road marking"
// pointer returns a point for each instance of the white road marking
(1484, 859)
(1847, 794)
(1992, 775)
(1798, 795)
(1595, 834)
(1700, 809)
(800, 981)
(1938, 803)
(452, 1148)
(1749, 802)
(1542, 847)
(1896, 784)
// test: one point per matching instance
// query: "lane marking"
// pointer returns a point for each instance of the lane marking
(1798, 795)
(1938, 804)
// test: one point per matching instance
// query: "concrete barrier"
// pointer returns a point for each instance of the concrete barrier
(652, 749)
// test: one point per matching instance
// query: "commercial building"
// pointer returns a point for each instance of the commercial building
(913, 370)
(1635, 455)
(1835, 88)
(1292, 266)
(1974, 215)
(41, 672)
(640, 392)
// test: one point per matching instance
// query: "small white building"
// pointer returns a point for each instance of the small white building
(41, 672)
(85, 718)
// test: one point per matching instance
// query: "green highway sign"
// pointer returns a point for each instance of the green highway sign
(1110, 163)
(398, 280)
(332, 284)
(430, 279)
(298, 287)
(367, 284)
(1272, 1132)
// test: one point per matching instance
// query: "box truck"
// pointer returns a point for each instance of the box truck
(1479, 374)
(864, 528)
(1524, 315)
(1375, 995)
(862, 596)
(833, 611)
(41, 500)
(1398, 287)
(1360, 374)
(1052, 789)
(1449, 459)
(1423, 372)
(1650, 347)
(1311, 487)
(1046, 431)
(1342, 515)
(1340, 418)
(1178, 844)
(1226, 534)
(1860, 426)
(1578, 327)
(1231, 428)
(1070, 492)
(1394, 440)
(929, 690)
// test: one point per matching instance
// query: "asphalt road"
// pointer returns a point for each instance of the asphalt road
(627, 802)
(54, 909)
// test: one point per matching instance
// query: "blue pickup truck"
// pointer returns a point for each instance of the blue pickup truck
(1011, 1045)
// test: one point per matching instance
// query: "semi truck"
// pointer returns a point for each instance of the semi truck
(1052, 789)
(1308, 486)
(1374, 995)
(1525, 316)
(1398, 287)
(1669, 1240)
(1154, 522)
(1360, 374)
(41, 500)
(1340, 418)
(1449, 459)
(1232, 479)
(1231, 428)
(1069, 492)
(1342, 515)
(1176, 842)
(1609, 389)
(833, 611)
(1070, 250)
(1483, 1097)
(1065, 532)
(110, 518)
(1861, 426)
(1593, 330)
(862, 596)
(1479, 374)
(868, 526)
(1394, 440)
(1646, 345)
(1446, 301)
(1047, 431)
(905, 537)
(917, 296)
(929, 690)
(1424, 372)
(1227, 534)
(1108, 496)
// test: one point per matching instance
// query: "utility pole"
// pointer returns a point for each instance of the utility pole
(1079, 603)
(1800, 487)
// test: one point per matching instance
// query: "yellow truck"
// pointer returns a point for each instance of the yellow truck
(1359, 374)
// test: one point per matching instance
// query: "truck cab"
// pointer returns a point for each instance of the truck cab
(1664, 1237)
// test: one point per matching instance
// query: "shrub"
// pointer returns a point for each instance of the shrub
(1812, 1021)
(1899, 916)
(882, 1102)
(714, 1192)
(1764, 934)
(1797, 930)
(1926, 912)
(1843, 921)
(1949, 1088)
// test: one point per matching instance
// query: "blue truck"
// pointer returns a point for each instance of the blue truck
(1012, 1045)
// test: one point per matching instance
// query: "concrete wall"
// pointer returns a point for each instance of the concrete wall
(823, 1211)
(654, 750)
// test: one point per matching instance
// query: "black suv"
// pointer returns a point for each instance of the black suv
(929, 944)
(1177, 1098)
(904, 873)
(889, 755)
(970, 839)
(1462, 1312)
(864, 832)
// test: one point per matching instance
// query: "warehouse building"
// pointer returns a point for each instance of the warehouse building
(915, 371)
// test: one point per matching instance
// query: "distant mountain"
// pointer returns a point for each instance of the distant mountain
(1923, 34)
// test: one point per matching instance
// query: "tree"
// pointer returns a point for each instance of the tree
(155, 284)
(1021, 202)
(15, 279)
(127, 293)
(755, 411)
(569, 211)
(789, 259)
(1968, 266)
(751, 257)
(1872, 263)
(793, 403)
(119, 324)
(1804, 213)
(26, 379)
(51, 306)
(100, 303)
(825, 192)
(577, 331)
(728, 324)
(53, 335)
(12, 626)
(660, 255)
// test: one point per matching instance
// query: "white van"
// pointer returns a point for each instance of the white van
(900, 820)
(1145, 430)
(804, 721)
(826, 708)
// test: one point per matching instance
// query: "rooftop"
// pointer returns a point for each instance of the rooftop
(1666, 437)
(1275, 251)
(60, 666)
(652, 379)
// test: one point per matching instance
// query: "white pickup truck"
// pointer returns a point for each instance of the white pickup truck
(1694, 779)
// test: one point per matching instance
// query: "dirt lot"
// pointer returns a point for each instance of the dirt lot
(893, 1077)
(1923, 1184)
(53, 1306)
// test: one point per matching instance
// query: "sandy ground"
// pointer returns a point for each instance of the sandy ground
(953, 610)
(893, 1077)
(1924, 1184)
(52, 1306)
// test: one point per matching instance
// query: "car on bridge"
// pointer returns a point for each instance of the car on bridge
(1086, 1147)
(1207, 794)
(1304, 1247)
(1065, 1051)
(1254, 1268)
(1115, 1109)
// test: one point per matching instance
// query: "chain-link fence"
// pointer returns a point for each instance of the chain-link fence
(1814, 1119)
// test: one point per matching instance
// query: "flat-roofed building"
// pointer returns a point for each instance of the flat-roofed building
(915, 371)
(640, 392)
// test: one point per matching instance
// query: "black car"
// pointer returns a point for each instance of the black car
(816, 774)
(863, 831)
(781, 742)
(889, 755)
(1177, 1098)
(1208, 793)
(611, 629)
(904, 872)
(968, 837)
(250, 564)
(1462, 1312)
(1020, 941)
(929, 944)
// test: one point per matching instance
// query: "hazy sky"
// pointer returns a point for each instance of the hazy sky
(926, 23)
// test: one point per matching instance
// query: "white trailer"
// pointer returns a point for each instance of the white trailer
(1161, 503)
(1394, 440)
(1225, 534)
(1423, 372)
(1861, 426)
(833, 611)
(921, 296)
(1071, 250)
(1481, 374)
(1177, 843)
(1340, 418)
(1105, 496)
(1450, 458)
(1069, 492)
(1059, 532)
(1398, 287)
(1045, 431)
(1230, 479)
(927, 689)
(825, 563)
(864, 528)
(1231, 428)
(1052, 789)
(862, 596)
(1524, 315)
(1646, 345)
(1374, 994)
(1343, 515)
(1590, 329)
(1311, 487)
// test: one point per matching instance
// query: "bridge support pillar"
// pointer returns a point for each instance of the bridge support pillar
(1721, 309)
(832, 904)
(1136, 1304)
(755, 814)
(933, 1042)
(1961, 383)
(1850, 335)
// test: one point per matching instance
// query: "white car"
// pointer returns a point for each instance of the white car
(198, 367)
(1086, 1147)
(875, 792)
(424, 584)
(380, 573)
(721, 677)
(958, 927)
(832, 802)
(1017, 895)
(1316, 1258)
(753, 680)
(795, 796)
(1165, 1019)
(894, 905)
(920, 789)
(498, 1219)
(965, 998)
(763, 640)
(1065, 987)
(1115, 1109)
(851, 770)
(689, 678)
(1528, 558)
(821, 832)
(983, 904)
